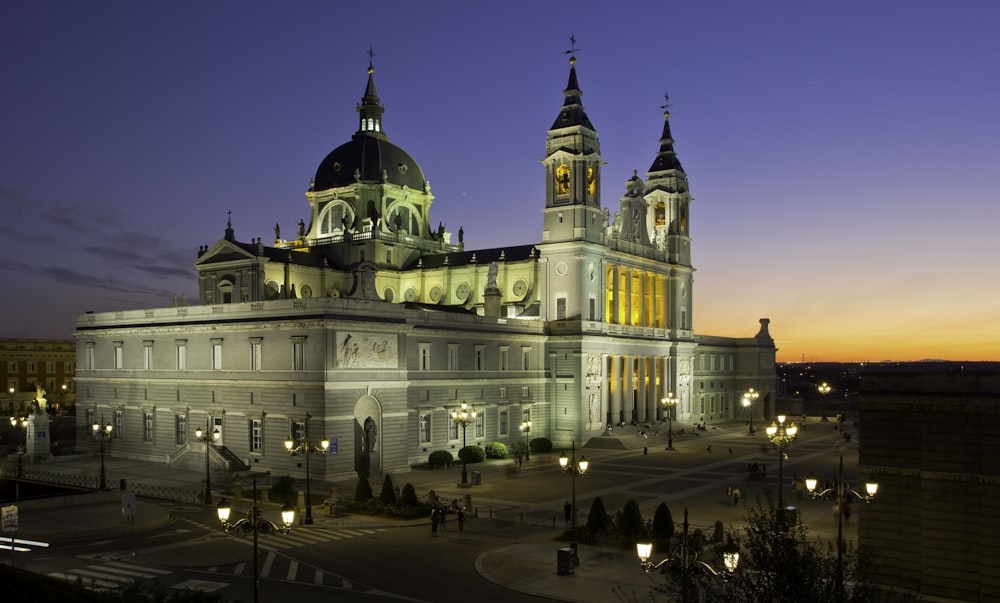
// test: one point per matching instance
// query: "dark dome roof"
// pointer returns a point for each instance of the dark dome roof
(369, 156)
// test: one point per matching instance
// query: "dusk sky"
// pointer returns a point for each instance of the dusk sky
(842, 155)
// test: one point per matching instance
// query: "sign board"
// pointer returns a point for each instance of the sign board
(333, 445)
(9, 518)
(128, 505)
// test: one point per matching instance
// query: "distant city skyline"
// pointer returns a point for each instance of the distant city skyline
(841, 156)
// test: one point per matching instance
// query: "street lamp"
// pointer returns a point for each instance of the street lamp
(573, 466)
(208, 439)
(102, 432)
(19, 423)
(526, 429)
(462, 417)
(11, 391)
(685, 562)
(781, 435)
(748, 399)
(305, 448)
(669, 403)
(871, 489)
(255, 522)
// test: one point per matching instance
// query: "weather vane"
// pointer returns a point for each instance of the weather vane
(666, 101)
(572, 47)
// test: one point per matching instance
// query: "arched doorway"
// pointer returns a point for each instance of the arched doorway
(367, 436)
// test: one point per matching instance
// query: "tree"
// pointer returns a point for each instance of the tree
(631, 523)
(597, 520)
(663, 527)
(363, 491)
(779, 563)
(388, 493)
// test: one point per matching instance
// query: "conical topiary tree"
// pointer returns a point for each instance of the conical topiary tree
(408, 496)
(598, 518)
(363, 491)
(388, 493)
(631, 524)
(663, 527)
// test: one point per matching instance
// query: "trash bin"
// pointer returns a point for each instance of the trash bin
(565, 561)
(789, 516)
(477, 478)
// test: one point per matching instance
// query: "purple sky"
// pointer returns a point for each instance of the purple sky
(842, 155)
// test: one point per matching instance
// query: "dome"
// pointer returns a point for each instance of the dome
(369, 156)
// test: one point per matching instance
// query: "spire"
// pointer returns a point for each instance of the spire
(370, 108)
(666, 158)
(230, 233)
(572, 113)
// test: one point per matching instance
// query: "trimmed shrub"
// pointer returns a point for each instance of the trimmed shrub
(363, 491)
(496, 450)
(283, 490)
(597, 520)
(663, 527)
(440, 458)
(472, 454)
(541, 445)
(631, 524)
(388, 493)
(408, 497)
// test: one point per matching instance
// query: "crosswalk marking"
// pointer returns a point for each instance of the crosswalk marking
(109, 575)
(293, 568)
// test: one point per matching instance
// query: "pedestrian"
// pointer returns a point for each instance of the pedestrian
(736, 495)
(730, 451)
(567, 510)
(434, 521)
(444, 515)
(729, 494)
(461, 520)
(709, 449)
(519, 460)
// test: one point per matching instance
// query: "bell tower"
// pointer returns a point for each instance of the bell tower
(573, 173)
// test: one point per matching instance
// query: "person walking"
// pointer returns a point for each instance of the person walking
(736, 495)
(461, 520)
(444, 515)
(435, 518)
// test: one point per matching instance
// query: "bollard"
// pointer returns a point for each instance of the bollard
(645, 451)
(553, 521)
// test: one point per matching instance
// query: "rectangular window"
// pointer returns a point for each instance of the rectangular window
(526, 415)
(425, 356)
(67, 367)
(425, 428)
(147, 355)
(50, 367)
(255, 353)
(525, 392)
(480, 426)
(119, 424)
(480, 352)
(560, 308)
(181, 354)
(452, 356)
(502, 365)
(256, 435)
(216, 354)
(503, 392)
(119, 355)
(298, 353)
(502, 422)
(525, 359)
(89, 355)
(31, 367)
(147, 429)
(298, 432)
(12, 367)
(90, 418)
(452, 430)
(181, 429)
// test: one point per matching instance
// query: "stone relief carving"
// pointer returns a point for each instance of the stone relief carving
(356, 350)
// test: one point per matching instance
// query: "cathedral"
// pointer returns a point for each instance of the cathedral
(369, 325)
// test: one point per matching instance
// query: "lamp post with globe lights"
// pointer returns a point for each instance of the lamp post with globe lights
(306, 448)
(669, 403)
(102, 432)
(254, 522)
(573, 466)
(462, 416)
(871, 489)
(526, 430)
(19, 424)
(208, 439)
(781, 435)
(749, 398)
